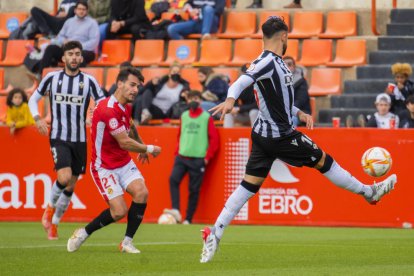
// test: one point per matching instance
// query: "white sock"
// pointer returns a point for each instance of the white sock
(55, 194)
(61, 206)
(232, 207)
(345, 180)
(127, 239)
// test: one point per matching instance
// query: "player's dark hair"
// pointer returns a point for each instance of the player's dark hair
(83, 3)
(205, 70)
(12, 93)
(194, 93)
(124, 73)
(274, 25)
(410, 99)
(70, 45)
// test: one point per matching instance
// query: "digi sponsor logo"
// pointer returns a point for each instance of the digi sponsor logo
(69, 99)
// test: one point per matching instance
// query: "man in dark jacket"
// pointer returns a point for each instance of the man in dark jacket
(128, 17)
(302, 100)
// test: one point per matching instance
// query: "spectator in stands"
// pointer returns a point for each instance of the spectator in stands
(100, 10)
(407, 117)
(50, 25)
(300, 85)
(294, 5)
(215, 87)
(156, 98)
(257, 4)
(198, 142)
(245, 111)
(383, 118)
(18, 113)
(128, 17)
(204, 19)
(401, 88)
(81, 28)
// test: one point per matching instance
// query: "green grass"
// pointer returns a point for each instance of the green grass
(175, 250)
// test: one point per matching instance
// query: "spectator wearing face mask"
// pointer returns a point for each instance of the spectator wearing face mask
(198, 142)
(158, 96)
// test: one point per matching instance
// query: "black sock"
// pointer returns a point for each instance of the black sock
(100, 221)
(60, 186)
(67, 193)
(135, 216)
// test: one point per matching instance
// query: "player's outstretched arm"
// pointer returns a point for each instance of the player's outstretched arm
(223, 108)
(126, 143)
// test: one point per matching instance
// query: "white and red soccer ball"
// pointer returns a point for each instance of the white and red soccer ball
(376, 161)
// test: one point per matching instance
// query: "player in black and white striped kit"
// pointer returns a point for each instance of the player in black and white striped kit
(69, 92)
(273, 134)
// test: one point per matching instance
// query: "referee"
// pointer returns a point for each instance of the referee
(273, 135)
(69, 92)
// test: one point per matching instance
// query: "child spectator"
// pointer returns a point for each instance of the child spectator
(401, 88)
(407, 117)
(18, 113)
(383, 118)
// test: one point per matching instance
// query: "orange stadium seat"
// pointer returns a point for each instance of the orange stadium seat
(306, 24)
(293, 49)
(349, 52)
(3, 108)
(245, 51)
(232, 73)
(10, 21)
(237, 28)
(97, 73)
(214, 52)
(150, 73)
(191, 75)
(316, 52)
(264, 16)
(15, 52)
(312, 101)
(183, 51)
(1, 79)
(148, 52)
(111, 75)
(325, 81)
(114, 52)
(340, 24)
(1, 49)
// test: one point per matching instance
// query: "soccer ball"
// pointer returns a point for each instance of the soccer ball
(166, 219)
(376, 161)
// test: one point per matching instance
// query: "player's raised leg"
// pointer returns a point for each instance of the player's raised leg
(343, 179)
(213, 235)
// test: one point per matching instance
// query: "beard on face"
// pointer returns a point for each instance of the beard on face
(284, 48)
(72, 68)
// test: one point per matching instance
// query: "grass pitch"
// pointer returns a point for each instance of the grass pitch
(175, 250)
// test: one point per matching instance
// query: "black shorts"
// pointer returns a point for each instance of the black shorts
(296, 149)
(69, 154)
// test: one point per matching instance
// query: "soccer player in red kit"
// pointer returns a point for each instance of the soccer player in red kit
(113, 136)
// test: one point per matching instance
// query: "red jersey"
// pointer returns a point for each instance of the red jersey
(109, 118)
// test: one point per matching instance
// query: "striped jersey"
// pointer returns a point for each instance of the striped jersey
(69, 100)
(273, 86)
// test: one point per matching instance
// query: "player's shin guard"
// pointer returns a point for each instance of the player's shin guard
(55, 193)
(100, 221)
(62, 205)
(343, 178)
(135, 215)
(233, 205)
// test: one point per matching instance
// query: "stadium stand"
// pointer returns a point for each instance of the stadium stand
(306, 24)
(293, 49)
(111, 75)
(182, 51)
(10, 21)
(340, 24)
(114, 52)
(349, 52)
(150, 73)
(236, 28)
(245, 50)
(325, 81)
(316, 52)
(148, 52)
(191, 75)
(264, 15)
(15, 52)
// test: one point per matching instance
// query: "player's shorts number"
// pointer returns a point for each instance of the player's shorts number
(54, 154)
(106, 183)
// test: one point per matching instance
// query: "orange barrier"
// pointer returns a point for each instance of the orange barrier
(289, 196)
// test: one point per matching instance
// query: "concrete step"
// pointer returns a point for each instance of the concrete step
(325, 115)
(402, 16)
(353, 101)
(390, 57)
(401, 43)
(398, 29)
(374, 72)
(366, 86)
